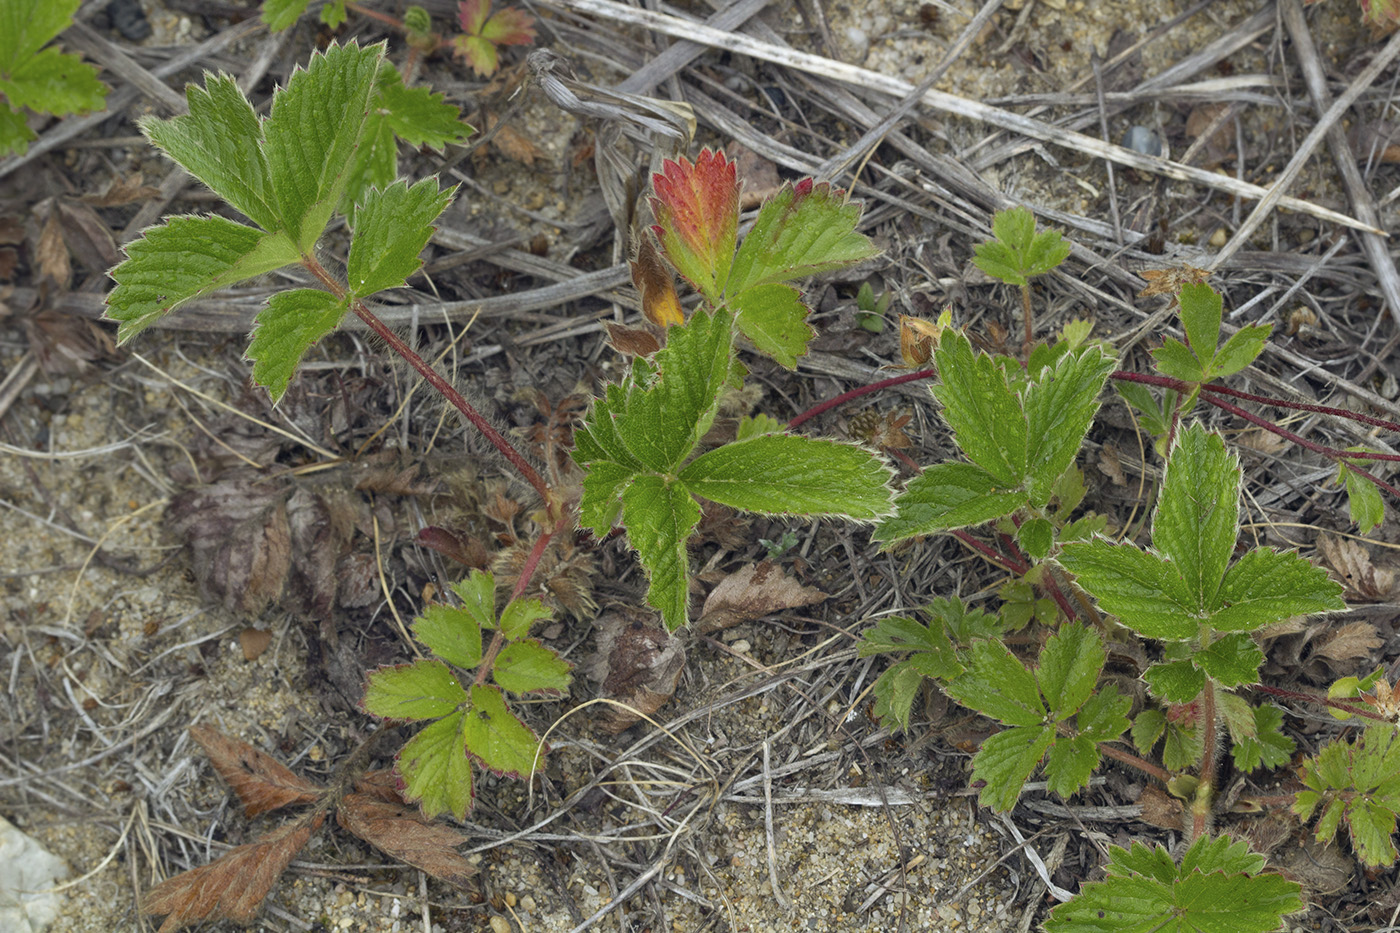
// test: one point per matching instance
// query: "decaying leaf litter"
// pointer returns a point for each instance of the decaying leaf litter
(741, 799)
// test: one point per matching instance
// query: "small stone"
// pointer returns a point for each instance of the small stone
(1141, 139)
(1218, 238)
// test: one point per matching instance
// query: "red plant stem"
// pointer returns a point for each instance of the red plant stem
(857, 393)
(1058, 596)
(1303, 406)
(1128, 758)
(1001, 560)
(453, 396)
(527, 570)
(1346, 707)
(1205, 791)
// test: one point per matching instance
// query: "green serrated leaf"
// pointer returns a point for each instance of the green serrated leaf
(478, 596)
(435, 769)
(895, 690)
(417, 114)
(1198, 513)
(1104, 717)
(1059, 407)
(184, 258)
(1175, 359)
(15, 134)
(279, 14)
(1067, 491)
(660, 516)
(800, 231)
(1069, 765)
(999, 261)
(1140, 398)
(1268, 747)
(948, 495)
(1183, 747)
(1360, 783)
(1201, 312)
(316, 123)
(333, 13)
(425, 689)
(758, 425)
(1141, 589)
(1267, 586)
(519, 615)
(527, 666)
(1175, 681)
(220, 142)
(391, 228)
(901, 634)
(1036, 536)
(1047, 250)
(997, 685)
(1364, 502)
(1083, 529)
(788, 474)
(1240, 350)
(985, 415)
(450, 633)
(51, 81)
(1232, 660)
(1069, 667)
(1215, 890)
(1147, 729)
(774, 317)
(286, 329)
(26, 26)
(496, 738)
(1006, 760)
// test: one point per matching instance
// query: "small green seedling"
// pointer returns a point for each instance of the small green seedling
(1018, 254)
(469, 722)
(870, 313)
(41, 79)
(484, 32)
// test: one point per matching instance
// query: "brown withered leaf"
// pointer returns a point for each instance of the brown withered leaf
(239, 538)
(759, 175)
(231, 887)
(1353, 567)
(753, 591)
(1161, 809)
(261, 782)
(401, 832)
(65, 343)
(1349, 640)
(87, 235)
(1169, 281)
(652, 277)
(462, 548)
(638, 662)
(1111, 466)
(52, 253)
(631, 341)
(382, 784)
(122, 190)
(254, 642)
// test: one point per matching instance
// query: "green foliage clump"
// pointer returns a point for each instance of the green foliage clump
(40, 79)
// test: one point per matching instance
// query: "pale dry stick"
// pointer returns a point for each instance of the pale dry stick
(20, 374)
(1325, 123)
(947, 103)
(1362, 204)
(772, 843)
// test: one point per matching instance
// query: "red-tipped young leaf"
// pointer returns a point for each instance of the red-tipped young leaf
(697, 216)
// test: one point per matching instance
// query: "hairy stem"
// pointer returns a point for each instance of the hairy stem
(857, 393)
(1028, 317)
(1355, 709)
(1133, 761)
(1204, 801)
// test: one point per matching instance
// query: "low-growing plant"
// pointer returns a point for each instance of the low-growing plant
(1194, 599)
(44, 80)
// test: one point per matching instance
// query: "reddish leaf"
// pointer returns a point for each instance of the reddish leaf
(261, 782)
(231, 887)
(697, 215)
(660, 304)
(383, 784)
(483, 32)
(400, 832)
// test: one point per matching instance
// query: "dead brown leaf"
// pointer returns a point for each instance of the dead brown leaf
(1111, 466)
(753, 591)
(631, 341)
(759, 175)
(1161, 809)
(462, 548)
(231, 887)
(1350, 640)
(52, 253)
(254, 642)
(1170, 281)
(401, 832)
(1353, 567)
(261, 782)
(638, 662)
(509, 141)
(122, 190)
(239, 538)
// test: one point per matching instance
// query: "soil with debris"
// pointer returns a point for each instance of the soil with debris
(174, 551)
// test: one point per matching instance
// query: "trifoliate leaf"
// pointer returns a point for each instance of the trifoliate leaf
(997, 685)
(391, 228)
(800, 231)
(1059, 407)
(450, 633)
(312, 133)
(1018, 252)
(774, 317)
(526, 666)
(220, 142)
(985, 415)
(697, 222)
(1021, 605)
(1177, 360)
(1232, 660)
(286, 329)
(1216, 889)
(496, 738)
(1268, 747)
(1358, 782)
(788, 474)
(963, 624)
(185, 258)
(948, 495)
(660, 516)
(425, 689)
(435, 769)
